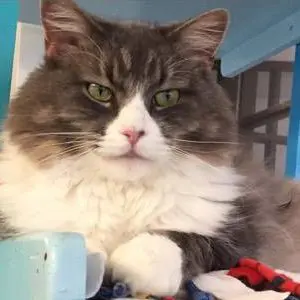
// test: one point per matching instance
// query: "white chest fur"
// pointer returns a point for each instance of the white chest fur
(68, 198)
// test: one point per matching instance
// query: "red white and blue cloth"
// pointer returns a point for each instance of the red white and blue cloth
(248, 280)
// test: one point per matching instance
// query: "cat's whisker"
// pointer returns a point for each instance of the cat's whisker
(182, 154)
(18, 115)
(62, 154)
(62, 133)
(74, 135)
(100, 51)
(193, 151)
(89, 54)
(70, 141)
(75, 147)
(75, 143)
(206, 142)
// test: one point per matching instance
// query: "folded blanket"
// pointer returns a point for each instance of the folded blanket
(226, 287)
(249, 280)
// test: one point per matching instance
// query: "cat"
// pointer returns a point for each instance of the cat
(123, 135)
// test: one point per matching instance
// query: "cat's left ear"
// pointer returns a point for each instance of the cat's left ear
(202, 35)
(64, 23)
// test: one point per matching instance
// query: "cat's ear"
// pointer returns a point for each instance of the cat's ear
(203, 34)
(64, 25)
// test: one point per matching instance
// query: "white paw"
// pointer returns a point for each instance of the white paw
(150, 264)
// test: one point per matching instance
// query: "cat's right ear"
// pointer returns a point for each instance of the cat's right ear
(65, 25)
(201, 36)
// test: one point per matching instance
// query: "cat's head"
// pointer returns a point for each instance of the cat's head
(128, 96)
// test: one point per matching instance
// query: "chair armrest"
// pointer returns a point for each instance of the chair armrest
(44, 266)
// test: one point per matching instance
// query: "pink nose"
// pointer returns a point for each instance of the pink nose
(133, 135)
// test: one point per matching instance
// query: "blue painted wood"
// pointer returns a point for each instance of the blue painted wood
(293, 145)
(258, 28)
(46, 266)
(9, 12)
(269, 42)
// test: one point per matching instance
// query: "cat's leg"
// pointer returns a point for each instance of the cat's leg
(149, 263)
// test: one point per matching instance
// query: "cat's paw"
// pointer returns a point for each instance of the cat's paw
(149, 263)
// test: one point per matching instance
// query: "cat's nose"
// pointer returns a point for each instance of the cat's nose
(133, 135)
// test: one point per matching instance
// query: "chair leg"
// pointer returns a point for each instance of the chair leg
(293, 144)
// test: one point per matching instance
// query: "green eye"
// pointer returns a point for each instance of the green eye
(99, 93)
(168, 98)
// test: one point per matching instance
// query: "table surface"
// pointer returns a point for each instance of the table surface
(258, 28)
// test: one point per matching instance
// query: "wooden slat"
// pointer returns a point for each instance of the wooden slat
(277, 112)
(272, 125)
(282, 66)
(247, 89)
(262, 138)
(230, 85)
(248, 93)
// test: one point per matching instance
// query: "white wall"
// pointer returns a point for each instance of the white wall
(286, 55)
(28, 53)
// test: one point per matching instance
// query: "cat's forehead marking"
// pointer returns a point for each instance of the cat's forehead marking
(126, 69)
(126, 56)
(133, 115)
(135, 103)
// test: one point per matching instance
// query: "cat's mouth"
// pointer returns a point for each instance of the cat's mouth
(130, 156)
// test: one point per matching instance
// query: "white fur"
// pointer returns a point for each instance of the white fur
(153, 263)
(111, 200)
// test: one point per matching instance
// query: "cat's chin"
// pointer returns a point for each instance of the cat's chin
(125, 167)
(128, 168)
(129, 158)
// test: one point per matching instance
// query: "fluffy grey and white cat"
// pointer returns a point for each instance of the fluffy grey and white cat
(123, 135)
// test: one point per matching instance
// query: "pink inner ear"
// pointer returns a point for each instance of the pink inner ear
(60, 45)
(54, 49)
